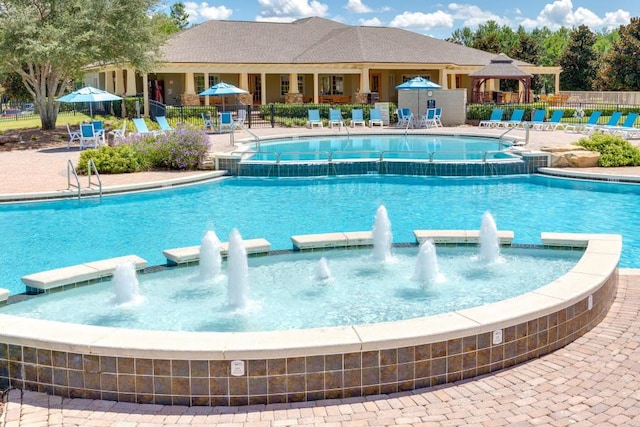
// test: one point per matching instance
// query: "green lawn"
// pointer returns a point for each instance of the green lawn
(34, 121)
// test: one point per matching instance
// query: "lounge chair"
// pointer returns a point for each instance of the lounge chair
(74, 135)
(613, 122)
(438, 117)
(554, 121)
(429, 119)
(579, 127)
(164, 125)
(405, 117)
(208, 124)
(357, 118)
(119, 134)
(88, 136)
(314, 119)
(141, 127)
(626, 129)
(494, 119)
(537, 119)
(225, 121)
(375, 117)
(515, 120)
(335, 117)
(241, 115)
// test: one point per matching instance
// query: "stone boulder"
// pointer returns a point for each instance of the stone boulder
(572, 156)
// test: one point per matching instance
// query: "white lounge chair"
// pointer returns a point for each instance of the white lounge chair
(119, 134)
(74, 135)
(208, 124)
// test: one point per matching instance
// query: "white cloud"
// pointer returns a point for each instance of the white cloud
(289, 10)
(373, 22)
(560, 13)
(472, 16)
(202, 11)
(424, 21)
(356, 6)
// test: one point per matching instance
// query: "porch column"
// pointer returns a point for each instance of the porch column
(145, 93)
(444, 79)
(131, 82)
(365, 86)
(293, 82)
(189, 86)
(119, 82)
(243, 81)
(206, 86)
(316, 86)
(557, 82)
(263, 89)
(108, 81)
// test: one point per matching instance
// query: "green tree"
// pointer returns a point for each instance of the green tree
(528, 50)
(48, 42)
(579, 60)
(622, 64)
(179, 15)
(463, 36)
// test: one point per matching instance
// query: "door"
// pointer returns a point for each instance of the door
(255, 87)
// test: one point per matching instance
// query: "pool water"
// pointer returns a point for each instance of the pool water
(47, 235)
(284, 292)
(440, 147)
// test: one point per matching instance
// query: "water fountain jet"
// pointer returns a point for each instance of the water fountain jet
(237, 272)
(125, 283)
(382, 237)
(426, 269)
(210, 258)
(489, 240)
(322, 269)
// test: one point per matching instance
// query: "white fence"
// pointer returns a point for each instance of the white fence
(591, 97)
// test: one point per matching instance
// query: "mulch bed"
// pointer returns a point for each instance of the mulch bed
(32, 139)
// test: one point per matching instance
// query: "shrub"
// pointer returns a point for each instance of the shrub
(120, 159)
(181, 149)
(614, 150)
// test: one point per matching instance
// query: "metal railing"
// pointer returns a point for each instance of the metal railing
(71, 170)
(92, 166)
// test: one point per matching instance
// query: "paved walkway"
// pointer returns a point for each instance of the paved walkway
(594, 381)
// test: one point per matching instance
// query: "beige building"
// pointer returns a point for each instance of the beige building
(310, 60)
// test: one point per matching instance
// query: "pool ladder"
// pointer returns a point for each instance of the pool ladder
(91, 167)
(526, 137)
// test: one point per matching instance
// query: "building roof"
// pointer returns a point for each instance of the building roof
(312, 41)
(500, 67)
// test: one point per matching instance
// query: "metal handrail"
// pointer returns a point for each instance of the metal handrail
(70, 169)
(525, 125)
(92, 166)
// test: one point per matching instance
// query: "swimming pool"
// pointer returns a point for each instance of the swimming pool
(425, 147)
(42, 236)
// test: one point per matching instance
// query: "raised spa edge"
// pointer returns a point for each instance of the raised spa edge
(215, 368)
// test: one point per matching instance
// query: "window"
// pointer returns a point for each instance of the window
(213, 79)
(332, 85)
(285, 84)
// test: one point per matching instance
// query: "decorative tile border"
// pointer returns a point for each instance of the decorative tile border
(326, 363)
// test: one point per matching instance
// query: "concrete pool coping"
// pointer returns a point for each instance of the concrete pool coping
(582, 297)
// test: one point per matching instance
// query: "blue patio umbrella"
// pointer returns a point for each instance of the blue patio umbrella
(222, 89)
(89, 94)
(418, 83)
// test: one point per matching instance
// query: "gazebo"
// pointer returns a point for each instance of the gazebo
(501, 68)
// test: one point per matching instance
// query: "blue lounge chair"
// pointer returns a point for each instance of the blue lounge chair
(375, 117)
(314, 119)
(208, 124)
(438, 117)
(515, 120)
(88, 136)
(626, 129)
(537, 119)
(357, 117)
(335, 117)
(579, 127)
(613, 122)
(164, 125)
(141, 127)
(554, 121)
(405, 118)
(225, 121)
(98, 128)
(494, 119)
(429, 119)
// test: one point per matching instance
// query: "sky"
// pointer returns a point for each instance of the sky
(432, 18)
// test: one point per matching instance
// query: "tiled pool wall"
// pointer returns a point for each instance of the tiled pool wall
(527, 164)
(210, 381)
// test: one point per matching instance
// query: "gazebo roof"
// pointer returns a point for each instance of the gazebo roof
(500, 67)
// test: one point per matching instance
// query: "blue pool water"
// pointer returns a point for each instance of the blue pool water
(41, 236)
(440, 147)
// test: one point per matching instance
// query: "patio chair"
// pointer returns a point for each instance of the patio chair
(375, 117)
(438, 117)
(494, 119)
(119, 134)
(314, 119)
(241, 115)
(405, 117)
(613, 122)
(554, 121)
(579, 127)
(225, 121)
(98, 128)
(357, 117)
(515, 120)
(626, 129)
(208, 124)
(537, 119)
(164, 125)
(141, 127)
(74, 135)
(429, 119)
(335, 117)
(88, 136)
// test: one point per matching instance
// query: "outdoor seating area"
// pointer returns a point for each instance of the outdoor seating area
(88, 135)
